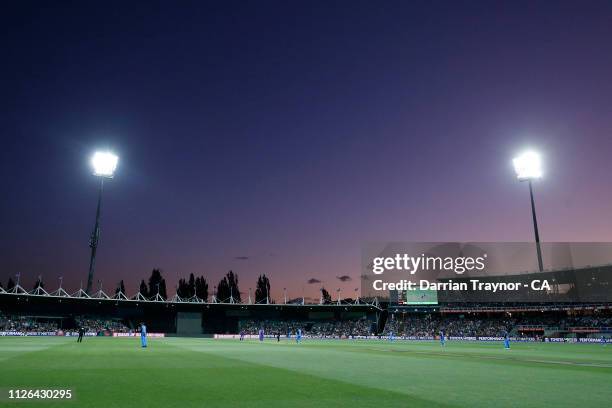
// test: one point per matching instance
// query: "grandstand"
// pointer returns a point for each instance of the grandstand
(177, 316)
(536, 326)
(58, 311)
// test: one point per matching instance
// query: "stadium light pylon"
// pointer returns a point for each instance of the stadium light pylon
(104, 165)
(528, 167)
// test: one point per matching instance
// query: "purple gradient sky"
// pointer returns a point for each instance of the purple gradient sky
(291, 132)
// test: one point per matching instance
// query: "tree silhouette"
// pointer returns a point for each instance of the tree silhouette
(201, 288)
(191, 286)
(143, 289)
(232, 281)
(195, 286)
(182, 289)
(228, 287)
(262, 290)
(162, 289)
(326, 296)
(155, 280)
(120, 287)
(223, 290)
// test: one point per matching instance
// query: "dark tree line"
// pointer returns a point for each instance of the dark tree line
(228, 288)
(157, 284)
(193, 287)
(262, 290)
(144, 291)
(327, 299)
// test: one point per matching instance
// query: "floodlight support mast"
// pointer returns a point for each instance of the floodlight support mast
(535, 228)
(95, 239)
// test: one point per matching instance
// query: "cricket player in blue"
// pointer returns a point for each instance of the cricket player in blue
(506, 341)
(143, 335)
(603, 340)
(391, 337)
(261, 335)
(298, 336)
(442, 338)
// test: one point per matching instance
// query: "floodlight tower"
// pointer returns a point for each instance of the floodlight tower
(104, 165)
(528, 167)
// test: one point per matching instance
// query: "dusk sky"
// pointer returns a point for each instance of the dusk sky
(278, 137)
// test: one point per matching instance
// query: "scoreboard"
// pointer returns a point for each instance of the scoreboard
(418, 297)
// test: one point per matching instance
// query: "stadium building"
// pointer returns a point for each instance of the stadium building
(560, 315)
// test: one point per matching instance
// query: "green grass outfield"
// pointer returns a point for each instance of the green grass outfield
(182, 372)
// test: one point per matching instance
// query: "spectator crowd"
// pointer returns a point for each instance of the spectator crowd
(318, 329)
(24, 324)
(428, 325)
(27, 324)
(101, 325)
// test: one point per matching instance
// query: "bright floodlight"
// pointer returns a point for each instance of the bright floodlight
(528, 166)
(104, 164)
